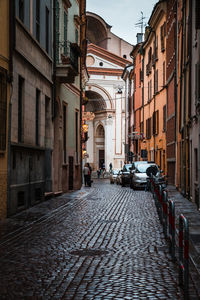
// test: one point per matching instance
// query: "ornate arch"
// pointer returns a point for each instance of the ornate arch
(102, 92)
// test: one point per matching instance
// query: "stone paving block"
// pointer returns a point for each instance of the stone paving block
(113, 248)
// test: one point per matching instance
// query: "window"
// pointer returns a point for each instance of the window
(141, 76)
(47, 121)
(197, 15)
(197, 83)
(148, 128)
(156, 82)
(164, 118)
(141, 127)
(163, 73)
(65, 133)
(3, 110)
(162, 36)
(100, 131)
(47, 29)
(37, 117)
(77, 134)
(76, 36)
(38, 20)
(156, 122)
(65, 33)
(21, 10)
(20, 108)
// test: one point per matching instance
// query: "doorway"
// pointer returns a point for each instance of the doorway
(101, 158)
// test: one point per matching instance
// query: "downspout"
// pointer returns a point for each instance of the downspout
(175, 90)
(54, 61)
(126, 93)
(189, 96)
(184, 101)
(12, 40)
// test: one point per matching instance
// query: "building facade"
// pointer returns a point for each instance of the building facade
(183, 120)
(153, 113)
(30, 173)
(70, 52)
(195, 105)
(171, 78)
(5, 79)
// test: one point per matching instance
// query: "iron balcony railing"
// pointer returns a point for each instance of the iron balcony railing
(67, 53)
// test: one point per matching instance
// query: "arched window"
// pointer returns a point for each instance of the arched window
(100, 131)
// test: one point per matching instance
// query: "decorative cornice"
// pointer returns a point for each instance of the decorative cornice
(107, 55)
(108, 71)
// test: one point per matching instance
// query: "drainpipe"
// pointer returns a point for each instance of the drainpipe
(175, 90)
(126, 103)
(12, 38)
(54, 61)
(154, 95)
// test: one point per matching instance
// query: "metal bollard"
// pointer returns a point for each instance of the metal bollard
(172, 228)
(165, 212)
(160, 204)
(184, 254)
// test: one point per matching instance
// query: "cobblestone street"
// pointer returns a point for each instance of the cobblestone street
(104, 242)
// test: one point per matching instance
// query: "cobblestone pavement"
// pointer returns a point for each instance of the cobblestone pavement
(105, 242)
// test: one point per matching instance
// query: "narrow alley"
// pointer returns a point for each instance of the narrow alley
(103, 242)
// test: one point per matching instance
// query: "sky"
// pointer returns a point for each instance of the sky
(122, 15)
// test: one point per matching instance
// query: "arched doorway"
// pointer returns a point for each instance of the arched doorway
(100, 146)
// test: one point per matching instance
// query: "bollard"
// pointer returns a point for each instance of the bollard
(172, 229)
(164, 212)
(184, 255)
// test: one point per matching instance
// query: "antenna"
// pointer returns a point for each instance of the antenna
(141, 22)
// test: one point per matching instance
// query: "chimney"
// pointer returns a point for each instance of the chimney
(139, 37)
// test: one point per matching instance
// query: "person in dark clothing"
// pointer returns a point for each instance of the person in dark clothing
(86, 172)
(89, 175)
(110, 165)
(98, 173)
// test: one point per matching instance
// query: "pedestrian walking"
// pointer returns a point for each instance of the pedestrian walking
(98, 173)
(86, 172)
(110, 165)
(89, 175)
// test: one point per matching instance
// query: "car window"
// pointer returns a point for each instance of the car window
(143, 167)
(127, 167)
(115, 172)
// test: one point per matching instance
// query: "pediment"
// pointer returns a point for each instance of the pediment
(100, 58)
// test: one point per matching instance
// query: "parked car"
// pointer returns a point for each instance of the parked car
(118, 178)
(125, 176)
(113, 176)
(138, 174)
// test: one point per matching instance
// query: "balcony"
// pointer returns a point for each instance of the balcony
(67, 55)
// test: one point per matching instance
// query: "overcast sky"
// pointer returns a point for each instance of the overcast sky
(122, 15)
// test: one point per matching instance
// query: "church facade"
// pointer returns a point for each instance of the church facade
(107, 56)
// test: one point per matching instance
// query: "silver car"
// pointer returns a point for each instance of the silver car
(113, 176)
(139, 176)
